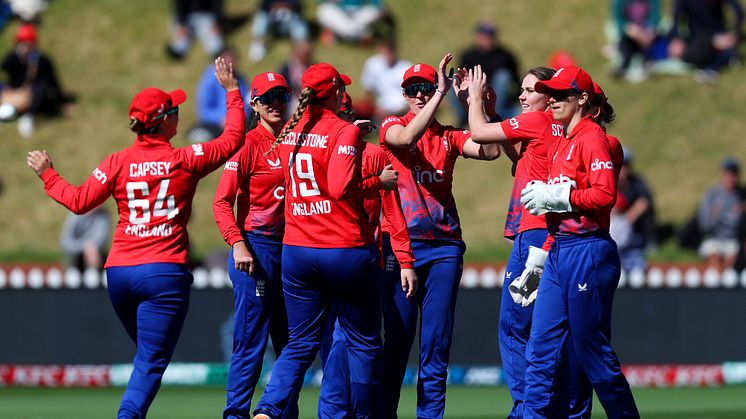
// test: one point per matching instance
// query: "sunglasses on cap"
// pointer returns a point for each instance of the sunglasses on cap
(562, 95)
(174, 110)
(424, 88)
(274, 95)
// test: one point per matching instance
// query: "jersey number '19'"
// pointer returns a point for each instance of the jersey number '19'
(164, 205)
(306, 180)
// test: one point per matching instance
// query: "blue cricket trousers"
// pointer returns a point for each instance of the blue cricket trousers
(334, 398)
(515, 320)
(151, 301)
(315, 280)
(439, 264)
(259, 314)
(574, 304)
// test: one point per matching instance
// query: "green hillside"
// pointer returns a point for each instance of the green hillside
(108, 50)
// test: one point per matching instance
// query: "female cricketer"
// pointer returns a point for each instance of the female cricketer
(424, 152)
(153, 184)
(582, 269)
(328, 257)
(255, 184)
(534, 131)
(384, 213)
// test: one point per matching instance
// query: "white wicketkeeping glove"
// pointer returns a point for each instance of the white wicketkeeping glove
(540, 198)
(524, 289)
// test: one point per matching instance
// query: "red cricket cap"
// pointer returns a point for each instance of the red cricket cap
(151, 102)
(26, 33)
(264, 82)
(320, 77)
(561, 59)
(421, 72)
(597, 91)
(567, 78)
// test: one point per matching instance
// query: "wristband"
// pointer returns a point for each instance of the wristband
(441, 92)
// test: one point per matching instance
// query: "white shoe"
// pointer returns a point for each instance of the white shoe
(7, 112)
(257, 51)
(26, 125)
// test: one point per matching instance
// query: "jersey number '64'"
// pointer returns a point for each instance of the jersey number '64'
(302, 165)
(163, 205)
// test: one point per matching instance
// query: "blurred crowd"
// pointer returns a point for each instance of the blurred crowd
(693, 37)
(698, 37)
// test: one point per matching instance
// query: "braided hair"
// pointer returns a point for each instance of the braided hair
(303, 99)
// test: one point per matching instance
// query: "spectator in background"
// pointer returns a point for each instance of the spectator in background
(84, 239)
(32, 85)
(200, 18)
(281, 17)
(349, 20)
(636, 23)
(28, 10)
(5, 14)
(381, 78)
(718, 218)
(299, 61)
(210, 101)
(708, 43)
(633, 217)
(500, 66)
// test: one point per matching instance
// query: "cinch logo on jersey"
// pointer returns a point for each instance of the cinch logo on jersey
(142, 230)
(149, 168)
(307, 140)
(514, 123)
(428, 176)
(347, 150)
(601, 165)
(100, 175)
(560, 179)
(198, 151)
(232, 166)
(279, 193)
(312, 208)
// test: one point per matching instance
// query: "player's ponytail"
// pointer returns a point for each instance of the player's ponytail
(139, 128)
(303, 99)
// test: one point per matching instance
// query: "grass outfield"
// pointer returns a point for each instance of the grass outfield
(463, 403)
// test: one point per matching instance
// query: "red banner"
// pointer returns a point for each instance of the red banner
(55, 375)
(674, 375)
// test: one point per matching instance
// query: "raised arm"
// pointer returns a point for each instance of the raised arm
(203, 158)
(78, 199)
(407, 136)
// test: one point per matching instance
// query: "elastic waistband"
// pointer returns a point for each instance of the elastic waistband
(262, 237)
(577, 239)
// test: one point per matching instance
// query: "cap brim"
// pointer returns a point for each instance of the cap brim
(269, 87)
(345, 79)
(546, 86)
(178, 97)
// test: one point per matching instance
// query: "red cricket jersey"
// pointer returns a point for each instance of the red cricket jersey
(536, 131)
(153, 184)
(426, 178)
(322, 159)
(256, 185)
(584, 157)
(391, 221)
